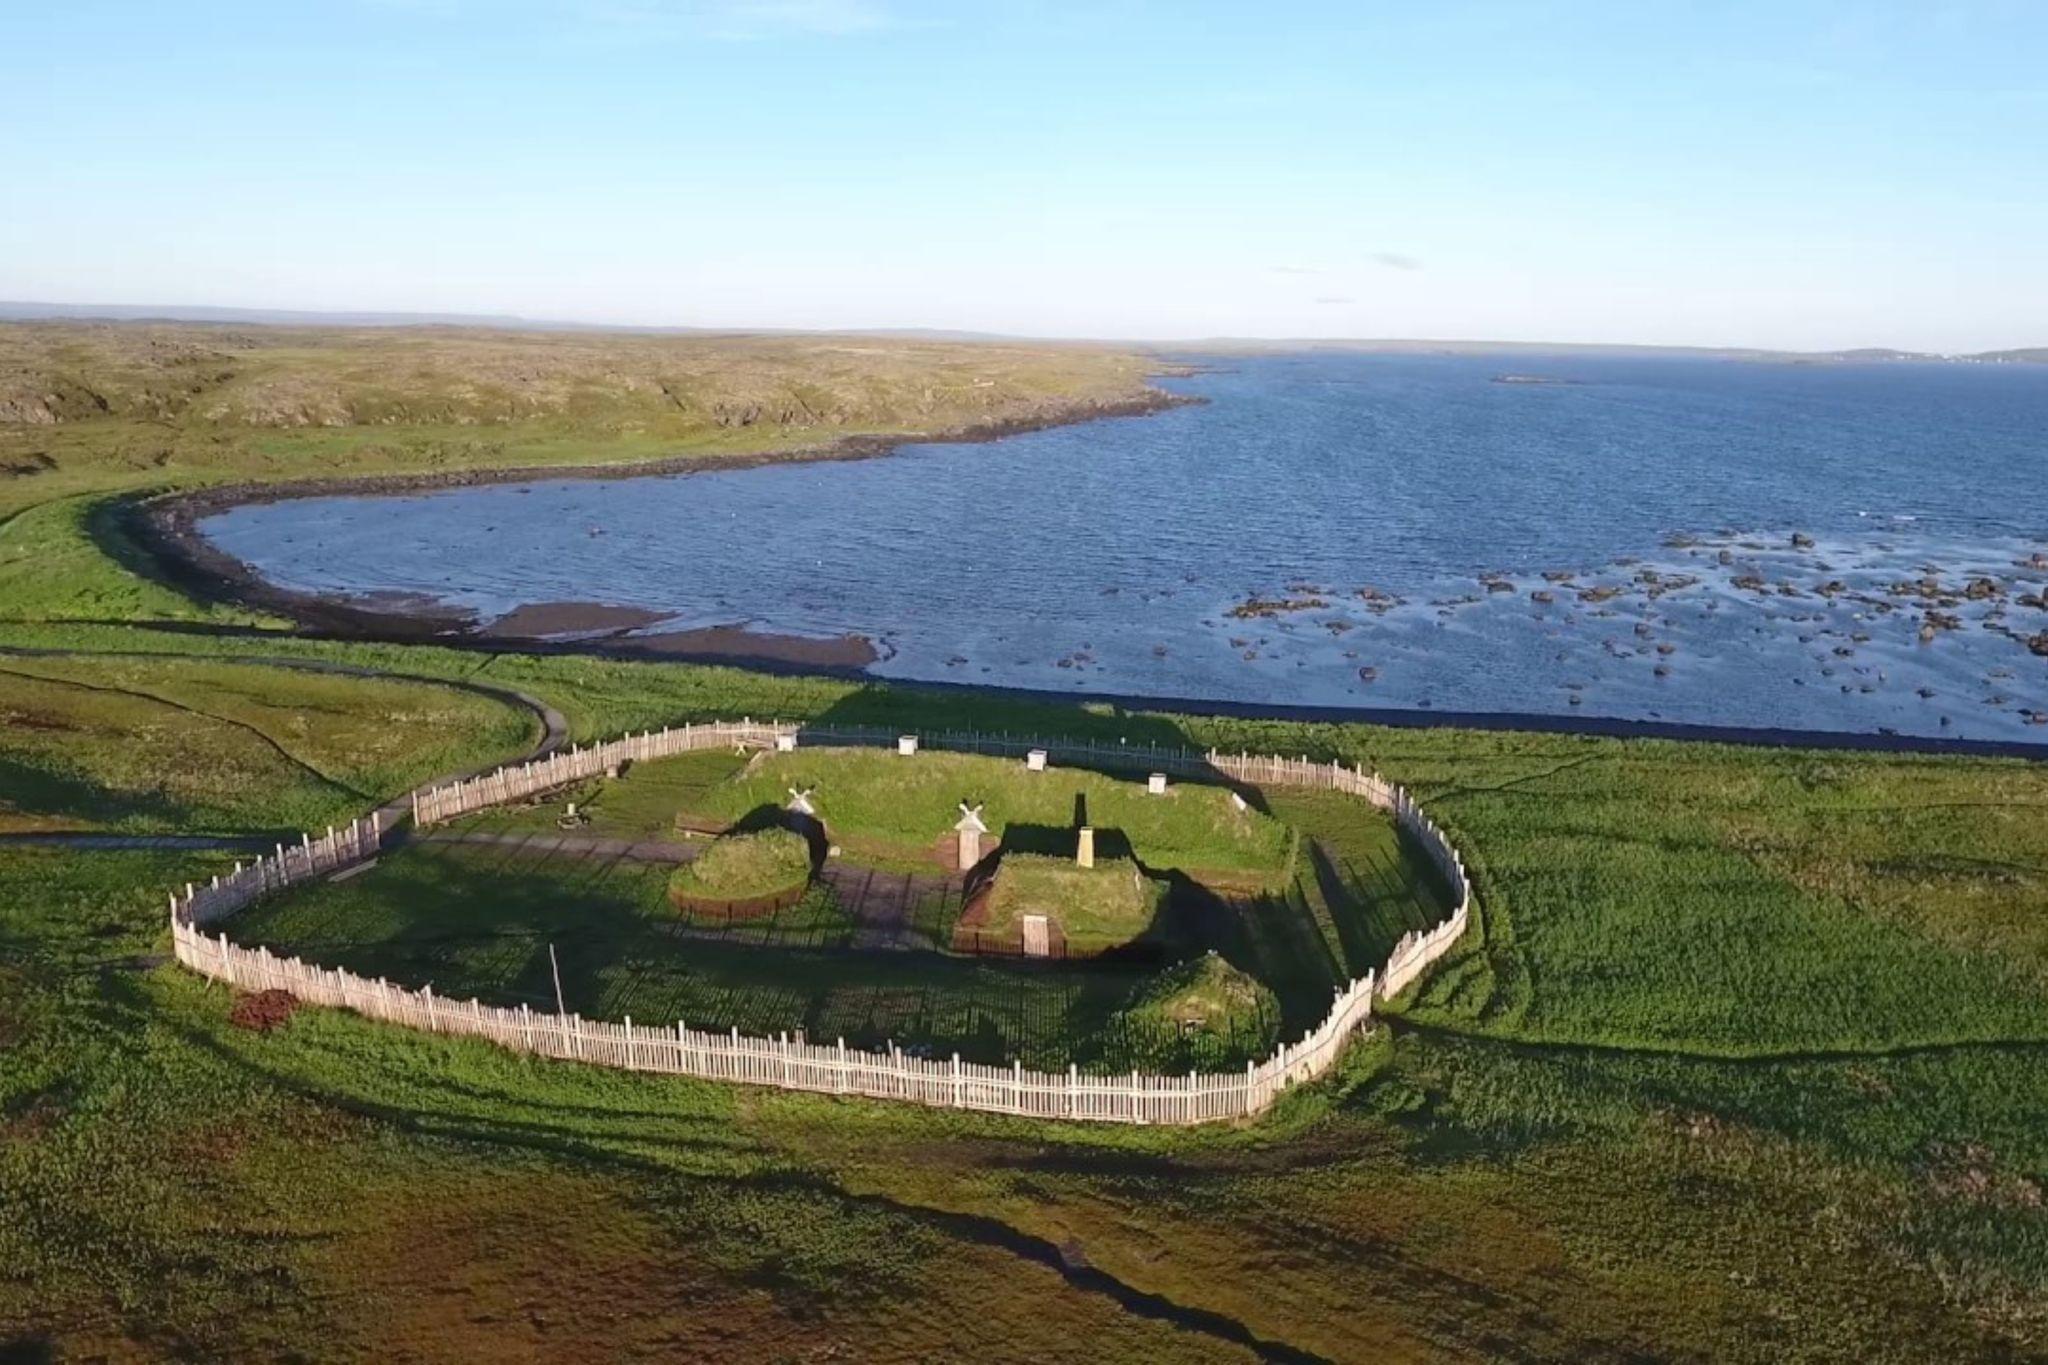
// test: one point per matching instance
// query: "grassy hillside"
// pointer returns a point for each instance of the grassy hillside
(1743, 1062)
(188, 746)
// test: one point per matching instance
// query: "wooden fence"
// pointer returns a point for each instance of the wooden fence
(794, 1063)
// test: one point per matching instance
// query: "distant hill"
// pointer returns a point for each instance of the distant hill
(12, 310)
(24, 311)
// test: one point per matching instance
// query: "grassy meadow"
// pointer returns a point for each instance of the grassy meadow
(196, 746)
(1743, 1061)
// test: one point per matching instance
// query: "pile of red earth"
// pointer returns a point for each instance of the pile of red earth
(263, 1011)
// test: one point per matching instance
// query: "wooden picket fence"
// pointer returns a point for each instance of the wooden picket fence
(795, 1063)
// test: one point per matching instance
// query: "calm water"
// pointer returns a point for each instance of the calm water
(1374, 492)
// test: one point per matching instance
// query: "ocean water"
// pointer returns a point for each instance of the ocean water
(1692, 540)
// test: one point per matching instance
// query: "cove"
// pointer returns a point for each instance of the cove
(1684, 539)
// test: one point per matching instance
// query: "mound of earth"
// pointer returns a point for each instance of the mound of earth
(1203, 1003)
(1093, 909)
(743, 867)
(262, 1011)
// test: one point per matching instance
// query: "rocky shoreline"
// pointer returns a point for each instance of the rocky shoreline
(165, 529)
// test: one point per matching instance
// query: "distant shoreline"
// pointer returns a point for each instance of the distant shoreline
(31, 311)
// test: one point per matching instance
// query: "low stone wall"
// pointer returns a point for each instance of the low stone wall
(793, 1063)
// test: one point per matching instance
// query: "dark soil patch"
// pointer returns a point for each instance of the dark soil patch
(262, 1011)
(33, 1120)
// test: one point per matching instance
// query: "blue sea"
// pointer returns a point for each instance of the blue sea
(1849, 547)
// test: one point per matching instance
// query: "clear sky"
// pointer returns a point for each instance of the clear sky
(1795, 173)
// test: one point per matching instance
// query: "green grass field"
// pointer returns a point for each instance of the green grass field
(474, 908)
(188, 745)
(880, 802)
(641, 804)
(1779, 1095)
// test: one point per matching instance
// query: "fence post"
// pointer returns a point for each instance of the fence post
(959, 1091)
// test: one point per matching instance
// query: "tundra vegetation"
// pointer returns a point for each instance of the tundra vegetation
(1744, 1059)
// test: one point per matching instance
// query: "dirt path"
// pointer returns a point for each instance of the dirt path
(569, 844)
(884, 904)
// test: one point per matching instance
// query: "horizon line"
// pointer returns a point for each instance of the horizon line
(43, 310)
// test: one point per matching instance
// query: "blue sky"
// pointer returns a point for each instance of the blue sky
(1803, 173)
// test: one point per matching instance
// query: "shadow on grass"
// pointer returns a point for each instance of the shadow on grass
(915, 711)
(58, 794)
(711, 1152)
